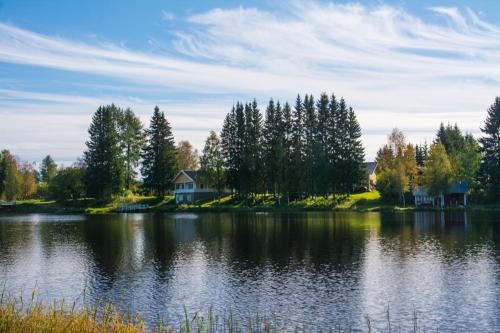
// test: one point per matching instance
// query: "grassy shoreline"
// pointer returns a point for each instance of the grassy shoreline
(361, 202)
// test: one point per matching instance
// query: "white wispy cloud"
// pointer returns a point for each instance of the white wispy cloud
(395, 68)
(167, 16)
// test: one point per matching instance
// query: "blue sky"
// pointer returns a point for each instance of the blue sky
(410, 64)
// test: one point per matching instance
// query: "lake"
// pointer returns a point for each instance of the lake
(310, 269)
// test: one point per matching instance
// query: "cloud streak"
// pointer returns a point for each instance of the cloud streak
(394, 67)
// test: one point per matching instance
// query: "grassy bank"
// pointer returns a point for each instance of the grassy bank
(21, 316)
(364, 202)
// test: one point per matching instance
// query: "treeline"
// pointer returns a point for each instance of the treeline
(116, 147)
(452, 156)
(313, 149)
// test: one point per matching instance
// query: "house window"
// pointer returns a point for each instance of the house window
(189, 186)
(202, 186)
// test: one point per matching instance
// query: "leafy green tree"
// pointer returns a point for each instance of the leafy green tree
(468, 161)
(490, 146)
(411, 166)
(48, 169)
(28, 182)
(105, 172)
(67, 185)
(438, 174)
(132, 141)
(159, 157)
(396, 166)
(212, 164)
(11, 177)
(187, 156)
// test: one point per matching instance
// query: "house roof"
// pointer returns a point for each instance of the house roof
(459, 187)
(370, 167)
(456, 187)
(190, 173)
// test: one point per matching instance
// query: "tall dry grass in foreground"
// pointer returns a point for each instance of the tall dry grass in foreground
(19, 316)
(16, 316)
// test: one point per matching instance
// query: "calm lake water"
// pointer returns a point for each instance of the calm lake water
(314, 269)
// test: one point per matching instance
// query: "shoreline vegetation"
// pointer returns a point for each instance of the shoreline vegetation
(18, 315)
(312, 151)
(360, 202)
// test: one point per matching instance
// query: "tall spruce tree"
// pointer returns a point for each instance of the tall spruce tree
(105, 172)
(287, 128)
(158, 155)
(355, 171)
(254, 137)
(229, 148)
(334, 145)
(310, 146)
(297, 162)
(322, 144)
(271, 147)
(344, 184)
(490, 147)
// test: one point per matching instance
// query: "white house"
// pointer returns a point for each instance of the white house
(189, 190)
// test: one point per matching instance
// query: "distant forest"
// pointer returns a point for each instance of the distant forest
(312, 148)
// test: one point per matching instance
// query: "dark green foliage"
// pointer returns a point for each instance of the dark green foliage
(452, 139)
(421, 152)
(105, 172)
(310, 147)
(354, 164)
(297, 162)
(132, 142)
(67, 185)
(490, 147)
(158, 155)
(314, 149)
(48, 169)
(229, 149)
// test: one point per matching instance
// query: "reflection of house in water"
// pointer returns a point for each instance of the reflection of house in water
(185, 226)
(430, 219)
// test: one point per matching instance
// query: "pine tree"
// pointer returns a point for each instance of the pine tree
(287, 128)
(270, 147)
(297, 163)
(159, 157)
(229, 151)
(490, 146)
(321, 143)
(105, 167)
(343, 149)
(132, 142)
(334, 144)
(355, 171)
(48, 169)
(310, 146)
(255, 151)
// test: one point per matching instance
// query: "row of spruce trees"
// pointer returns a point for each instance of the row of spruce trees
(313, 149)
